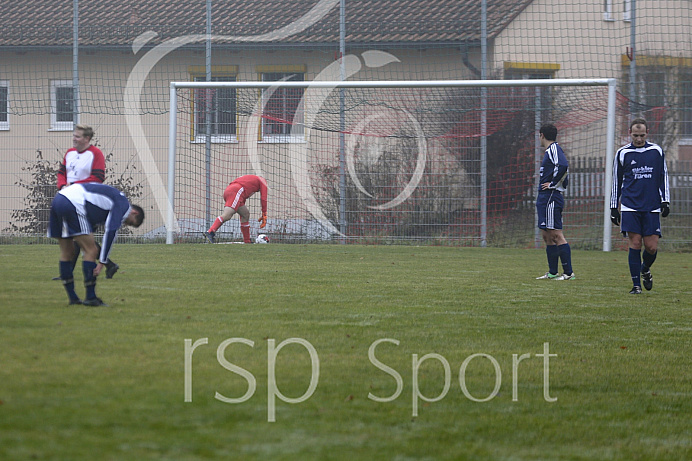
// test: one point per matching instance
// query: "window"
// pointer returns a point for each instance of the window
(62, 105)
(627, 10)
(608, 10)
(654, 88)
(4, 105)
(663, 85)
(650, 94)
(686, 104)
(220, 104)
(528, 95)
(283, 111)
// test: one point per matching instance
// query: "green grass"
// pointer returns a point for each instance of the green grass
(81, 383)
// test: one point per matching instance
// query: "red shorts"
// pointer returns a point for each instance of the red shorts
(234, 195)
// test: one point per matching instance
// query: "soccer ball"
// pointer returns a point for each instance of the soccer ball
(262, 238)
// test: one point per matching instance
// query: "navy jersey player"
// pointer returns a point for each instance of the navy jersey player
(74, 213)
(640, 187)
(549, 204)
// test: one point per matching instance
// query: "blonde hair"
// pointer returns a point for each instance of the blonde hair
(86, 130)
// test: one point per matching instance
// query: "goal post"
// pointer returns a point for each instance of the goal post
(409, 167)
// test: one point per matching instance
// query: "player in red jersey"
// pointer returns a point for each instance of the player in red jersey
(83, 163)
(235, 195)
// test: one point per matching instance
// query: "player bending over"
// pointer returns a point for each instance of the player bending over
(83, 163)
(235, 196)
(74, 213)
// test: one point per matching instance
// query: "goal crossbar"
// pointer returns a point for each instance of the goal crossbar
(401, 83)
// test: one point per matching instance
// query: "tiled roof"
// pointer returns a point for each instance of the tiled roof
(118, 22)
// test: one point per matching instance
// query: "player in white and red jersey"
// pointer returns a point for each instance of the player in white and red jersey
(83, 163)
(235, 196)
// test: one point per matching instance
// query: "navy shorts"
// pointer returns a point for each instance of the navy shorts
(64, 220)
(549, 208)
(641, 222)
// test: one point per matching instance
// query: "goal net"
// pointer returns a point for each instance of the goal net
(440, 162)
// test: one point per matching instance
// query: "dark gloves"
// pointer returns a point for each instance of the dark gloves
(665, 209)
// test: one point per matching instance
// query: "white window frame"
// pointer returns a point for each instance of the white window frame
(5, 124)
(608, 10)
(56, 125)
(299, 115)
(215, 138)
(627, 10)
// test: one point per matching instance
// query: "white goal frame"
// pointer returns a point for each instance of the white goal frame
(611, 83)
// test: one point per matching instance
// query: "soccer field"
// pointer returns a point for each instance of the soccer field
(330, 352)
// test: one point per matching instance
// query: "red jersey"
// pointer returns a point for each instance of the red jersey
(251, 184)
(80, 167)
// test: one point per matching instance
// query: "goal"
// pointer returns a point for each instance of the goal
(450, 162)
